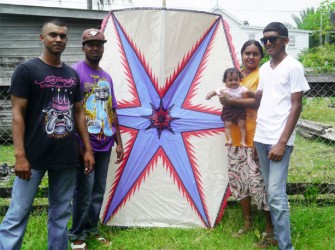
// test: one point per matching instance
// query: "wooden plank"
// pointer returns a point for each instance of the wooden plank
(35, 209)
(292, 189)
(27, 44)
(310, 129)
(313, 126)
(36, 51)
(329, 135)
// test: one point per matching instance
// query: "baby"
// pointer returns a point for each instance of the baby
(232, 114)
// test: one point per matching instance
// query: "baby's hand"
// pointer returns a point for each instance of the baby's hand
(208, 96)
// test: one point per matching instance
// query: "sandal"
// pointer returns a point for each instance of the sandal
(102, 240)
(79, 247)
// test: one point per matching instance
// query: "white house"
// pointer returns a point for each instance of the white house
(241, 31)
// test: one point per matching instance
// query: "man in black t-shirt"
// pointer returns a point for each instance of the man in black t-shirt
(47, 114)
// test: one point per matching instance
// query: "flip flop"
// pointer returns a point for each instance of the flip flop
(103, 240)
(81, 246)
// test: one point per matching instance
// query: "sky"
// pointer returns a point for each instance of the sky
(256, 12)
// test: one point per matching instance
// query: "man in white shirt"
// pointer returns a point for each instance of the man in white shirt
(282, 84)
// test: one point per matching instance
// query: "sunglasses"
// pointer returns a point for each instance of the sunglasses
(271, 39)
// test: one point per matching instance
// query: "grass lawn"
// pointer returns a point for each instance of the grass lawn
(319, 109)
(312, 228)
(312, 161)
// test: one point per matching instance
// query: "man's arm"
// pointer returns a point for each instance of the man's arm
(22, 166)
(252, 103)
(277, 151)
(119, 146)
(81, 128)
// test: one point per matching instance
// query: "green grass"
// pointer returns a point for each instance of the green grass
(319, 109)
(7, 154)
(312, 228)
(312, 161)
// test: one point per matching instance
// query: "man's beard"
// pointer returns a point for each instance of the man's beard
(94, 60)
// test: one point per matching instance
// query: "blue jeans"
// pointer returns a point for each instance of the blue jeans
(275, 179)
(88, 197)
(61, 186)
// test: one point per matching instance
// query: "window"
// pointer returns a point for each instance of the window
(291, 43)
(251, 36)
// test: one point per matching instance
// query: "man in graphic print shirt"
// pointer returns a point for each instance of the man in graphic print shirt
(103, 127)
(47, 114)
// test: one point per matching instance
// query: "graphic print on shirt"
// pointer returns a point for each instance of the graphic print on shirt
(58, 117)
(98, 104)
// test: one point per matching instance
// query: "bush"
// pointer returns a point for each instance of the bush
(319, 60)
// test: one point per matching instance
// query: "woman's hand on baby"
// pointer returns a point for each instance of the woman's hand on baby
(225, 99)
(250, 94)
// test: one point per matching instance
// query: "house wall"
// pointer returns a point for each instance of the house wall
(301, 43)
(19, 40)
(241, 32)
(20, 27)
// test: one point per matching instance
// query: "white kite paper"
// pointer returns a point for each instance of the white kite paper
(163, 62)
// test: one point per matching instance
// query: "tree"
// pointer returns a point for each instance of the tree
(319, 22)
(299, 21)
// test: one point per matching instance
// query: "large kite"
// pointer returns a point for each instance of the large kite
(163, 62)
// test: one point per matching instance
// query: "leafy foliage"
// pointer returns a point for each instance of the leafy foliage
(300, 21)
(319, 59)
(265, 58)
(319, 22)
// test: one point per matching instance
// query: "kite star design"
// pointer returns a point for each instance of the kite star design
(160, 122)
(160, 119)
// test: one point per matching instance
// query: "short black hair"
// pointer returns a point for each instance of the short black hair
(55, 21)
(231, 71)
(277, 27)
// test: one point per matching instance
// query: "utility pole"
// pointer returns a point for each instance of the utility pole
(321, 27)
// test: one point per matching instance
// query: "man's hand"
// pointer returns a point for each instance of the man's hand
(258, 95)
(277, 151)
(22, 168)
(119, 153)
(88, 161)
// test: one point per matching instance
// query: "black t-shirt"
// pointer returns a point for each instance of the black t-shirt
(50, 140)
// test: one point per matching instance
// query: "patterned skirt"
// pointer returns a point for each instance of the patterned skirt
(245, 177)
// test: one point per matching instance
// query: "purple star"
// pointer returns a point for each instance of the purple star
(160, 122)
